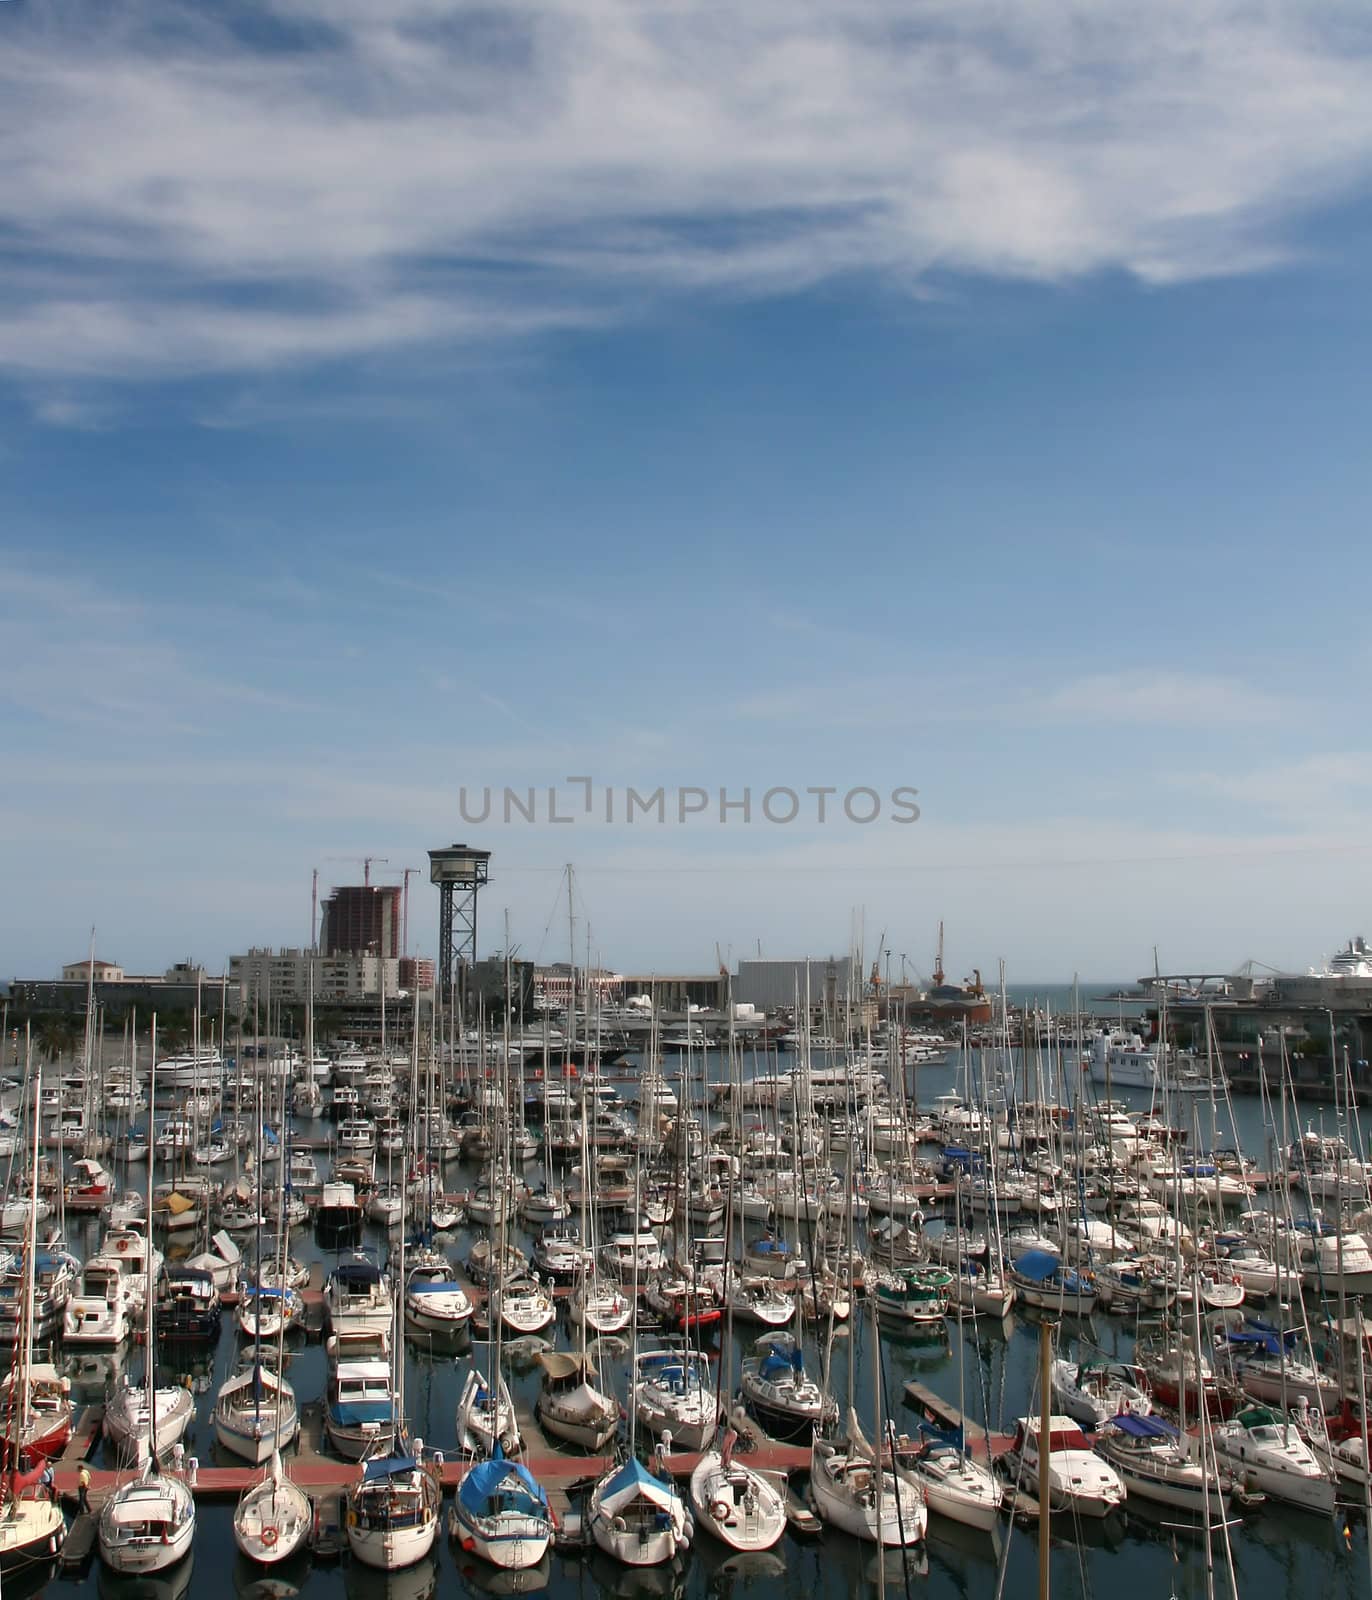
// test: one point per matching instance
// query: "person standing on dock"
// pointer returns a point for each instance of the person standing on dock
(83, 1490)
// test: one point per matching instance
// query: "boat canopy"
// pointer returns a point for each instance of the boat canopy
(1037, 1265)
(562, 1364)
(357, 1274)
(1143, 1427)
(501, 1485)
(633, 1481)
(388, 1467)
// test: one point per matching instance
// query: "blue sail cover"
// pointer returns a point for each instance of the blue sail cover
(1037, 1265)
(1144, 1427)
(500, 1485)
(387, 1467)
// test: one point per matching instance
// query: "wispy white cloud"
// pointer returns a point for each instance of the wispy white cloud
(187, 192)
(1330, 789)
(1165, 698)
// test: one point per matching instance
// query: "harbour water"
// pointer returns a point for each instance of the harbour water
(991, 1364)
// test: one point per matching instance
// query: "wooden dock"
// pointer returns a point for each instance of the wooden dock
(321, 1476)
(79, 1545)
(941, 1413)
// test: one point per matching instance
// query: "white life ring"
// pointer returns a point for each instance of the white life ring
(719, 1510)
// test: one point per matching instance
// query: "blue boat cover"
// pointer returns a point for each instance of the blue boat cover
(386, 1466)
(501, 1485)
(1037, 1265)
(1144, 1427)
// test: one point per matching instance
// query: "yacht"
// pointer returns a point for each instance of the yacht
(256, 1414)
(853, 1493)
(98, 1314)
(570, 1406)
(359, 1408)
(1079, 1481)
(743, 1508)
(1092, 1391)
(776, 1391)
(392, 1512)
(1258, 1443)
(147, 1525)
(674, 1392)
(274, 1517)
(357, 1297)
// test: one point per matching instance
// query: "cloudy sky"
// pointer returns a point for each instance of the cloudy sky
(969, 397)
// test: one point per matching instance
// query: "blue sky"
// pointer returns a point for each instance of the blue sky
(401, 398)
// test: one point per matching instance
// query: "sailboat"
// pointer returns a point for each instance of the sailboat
(637, 1517)
(393, 1509)
(256, 1415)
(274, 1517)
(30, 1530)
(148, 1524)
(501, 1511)
(142, 1421)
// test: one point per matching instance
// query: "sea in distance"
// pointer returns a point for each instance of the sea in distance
(991, 1365)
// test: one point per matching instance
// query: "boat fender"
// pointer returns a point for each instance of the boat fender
(352, 1518)
(618, 1525)
(269, 1536)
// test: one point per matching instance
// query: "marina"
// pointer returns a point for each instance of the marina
(998, 1156)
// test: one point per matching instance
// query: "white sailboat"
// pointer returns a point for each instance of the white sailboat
(148, 1524)
(740, 1506)
(31, 1530)
(274, 1517)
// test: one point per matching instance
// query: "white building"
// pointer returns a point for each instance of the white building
(283, 976)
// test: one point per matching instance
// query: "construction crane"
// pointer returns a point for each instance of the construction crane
(366, 865)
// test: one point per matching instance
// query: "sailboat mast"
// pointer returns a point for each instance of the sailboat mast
(1045, 1449)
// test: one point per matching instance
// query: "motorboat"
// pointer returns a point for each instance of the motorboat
(1092, 1391)
(1259, 1445)
(1079, 1480)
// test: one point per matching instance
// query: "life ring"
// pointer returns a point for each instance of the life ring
(352, 1519)
(122, 1246)
(719, 1510)
(269, 1536)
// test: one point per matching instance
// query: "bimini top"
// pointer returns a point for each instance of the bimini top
(632, 1482)
(1038, 1265)
(388, 1467)
(502, 1485)
(357, 1274)
(1143, 1427)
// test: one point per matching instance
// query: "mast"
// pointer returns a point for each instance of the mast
(151, 1359)
(1045, 1448)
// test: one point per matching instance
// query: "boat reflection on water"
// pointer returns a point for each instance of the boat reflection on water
(249, 1584)
(419, 1582)
(667, 1582)
(479, 1577)
(726, 1569)
(915, 1345)
(173, 1583)
(521, 1354)
(93, 1373)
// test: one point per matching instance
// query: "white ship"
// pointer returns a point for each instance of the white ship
(1124, 1061)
